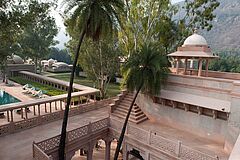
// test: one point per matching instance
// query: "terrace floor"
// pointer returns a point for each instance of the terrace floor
(194, 141)
(19, 145)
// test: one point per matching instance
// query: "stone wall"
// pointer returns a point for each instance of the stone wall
(12, 69)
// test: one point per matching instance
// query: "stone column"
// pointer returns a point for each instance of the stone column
(185, 69)
(206, 69)
(177, 65)
(124, 151)
(199, 67)
(107, 148)
(90, 150)
(68, 156)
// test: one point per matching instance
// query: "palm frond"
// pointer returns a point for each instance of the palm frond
(102, 19)
(148, 65)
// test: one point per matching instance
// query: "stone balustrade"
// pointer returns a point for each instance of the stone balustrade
(56, 83)
(42, 111)
(76, 139)
(35, 112)
(136, 136)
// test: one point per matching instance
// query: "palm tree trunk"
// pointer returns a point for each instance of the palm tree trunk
(125, 124)
(61, 151)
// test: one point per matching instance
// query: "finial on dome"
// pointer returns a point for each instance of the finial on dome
(195, 30)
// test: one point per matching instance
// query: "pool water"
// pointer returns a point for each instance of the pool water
(6, 98)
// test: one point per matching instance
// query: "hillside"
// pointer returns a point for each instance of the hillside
(225, 34)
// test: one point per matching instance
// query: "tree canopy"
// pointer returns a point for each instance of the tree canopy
(38, 36)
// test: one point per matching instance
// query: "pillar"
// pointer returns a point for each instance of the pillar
(185, 68)
(107, 148)
(177, 65)
(69, 155)
(124, 151)
(90, 150)
(199, 67)
(206, 69)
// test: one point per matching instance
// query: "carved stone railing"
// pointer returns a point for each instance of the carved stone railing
(48, 148)
(24, 115)
(43, 111)
(53, 82)
(154, 141)
(38, 154)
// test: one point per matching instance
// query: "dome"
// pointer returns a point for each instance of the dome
(17, 60)
(195, 39)
(51, 60)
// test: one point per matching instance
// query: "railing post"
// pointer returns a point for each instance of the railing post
(50, 107)
(33, 150)
(11, 111)
(21, 112)
(178, 149)
(45, 105)
(56, 105)
(8, 118)
(34, 110)
(39, 111)
(61, 105)
(149, 137)
(26, 116)
(90, 128)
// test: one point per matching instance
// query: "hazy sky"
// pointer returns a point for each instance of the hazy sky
(61, 37)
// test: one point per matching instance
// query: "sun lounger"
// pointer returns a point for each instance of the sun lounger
(38, 94)
(10, 84)
(27, 86)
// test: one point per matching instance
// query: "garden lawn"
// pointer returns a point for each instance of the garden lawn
(51, 91)
(112, 90)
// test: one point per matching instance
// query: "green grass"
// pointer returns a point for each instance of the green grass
(113, 88)
(51, 91)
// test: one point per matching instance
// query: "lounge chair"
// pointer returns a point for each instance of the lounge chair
(32, 90)
(10, 84)
(38, 94)
(27, 86)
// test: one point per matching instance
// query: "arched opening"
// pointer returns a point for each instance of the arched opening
(134, 154)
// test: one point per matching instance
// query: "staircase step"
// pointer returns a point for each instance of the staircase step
(128, 99)
(133, 112)
(142, 120)
(123, 117)
(135, 108)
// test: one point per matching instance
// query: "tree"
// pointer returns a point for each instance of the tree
(94, 18)
(146, 70)
(12, 20)
(60, 55)
(100, 60)
(153, 21)
(38, 36)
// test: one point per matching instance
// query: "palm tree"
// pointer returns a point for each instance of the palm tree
(145, 71)
(94, 18)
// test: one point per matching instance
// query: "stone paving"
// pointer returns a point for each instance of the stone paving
(19, 145)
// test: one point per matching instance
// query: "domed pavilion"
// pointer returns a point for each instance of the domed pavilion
(195, 47)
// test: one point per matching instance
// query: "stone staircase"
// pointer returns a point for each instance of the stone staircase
(120, 109)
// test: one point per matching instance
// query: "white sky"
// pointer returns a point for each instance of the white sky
(61, 37)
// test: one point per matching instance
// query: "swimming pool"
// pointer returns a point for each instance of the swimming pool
(6, 98)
